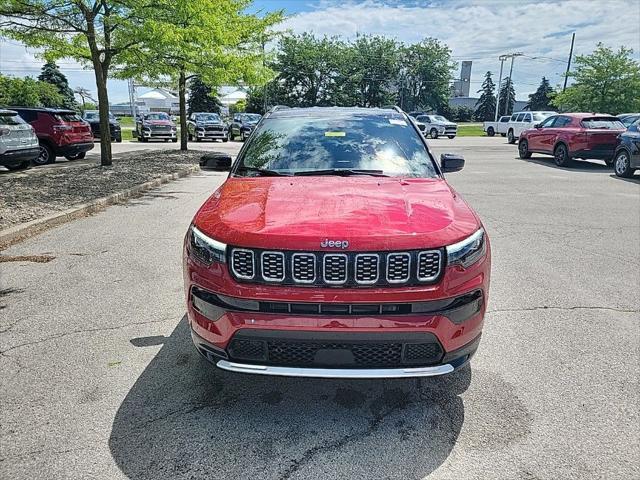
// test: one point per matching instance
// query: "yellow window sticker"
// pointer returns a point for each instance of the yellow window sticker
(335, 134)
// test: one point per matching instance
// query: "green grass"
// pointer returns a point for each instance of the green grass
(126, 122)
(470, 130)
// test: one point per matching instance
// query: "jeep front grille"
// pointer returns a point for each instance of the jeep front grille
(358, 269)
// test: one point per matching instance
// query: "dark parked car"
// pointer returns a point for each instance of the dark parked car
(627, 119)
(60, 132)
(627, 156)
(92, 117)
(243, 124)
(207, 126)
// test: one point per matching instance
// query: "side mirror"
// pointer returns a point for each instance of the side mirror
(450, 162)
(537, 125)
(215, 161)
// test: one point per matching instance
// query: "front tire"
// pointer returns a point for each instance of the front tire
(523, 149)
(174, 140)
(491, 132)
(433, 133)
(511, 138)
(561, 156)
(46, 155)
(622, 165)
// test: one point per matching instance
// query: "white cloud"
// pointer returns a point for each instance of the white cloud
(482, 30)
(477, 30)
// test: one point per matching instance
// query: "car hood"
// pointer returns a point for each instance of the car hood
(371, 213)
(445, 124)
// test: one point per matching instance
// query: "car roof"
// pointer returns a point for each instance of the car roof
(581, 115)
(44, 109)
(4, 111)
(333, 112)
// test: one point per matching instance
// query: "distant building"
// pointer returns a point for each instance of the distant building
(158, 100)
(120, 109)
(461, 86)
(231, 95)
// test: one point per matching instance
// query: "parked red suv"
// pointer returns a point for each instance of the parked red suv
(60, 132)
(573, 135)
(336, 248)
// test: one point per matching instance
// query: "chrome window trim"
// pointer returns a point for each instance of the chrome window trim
(253, 263)
(346, 268)
(433, 277)
(355, 268)
(284, 266)
(315, 266)
(404, 254)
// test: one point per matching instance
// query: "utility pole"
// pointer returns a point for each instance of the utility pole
(566, 75)
(502, 58)
(512, 55)
(132, 97)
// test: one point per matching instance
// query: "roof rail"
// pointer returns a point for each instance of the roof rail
(393, 107)
(275, 108)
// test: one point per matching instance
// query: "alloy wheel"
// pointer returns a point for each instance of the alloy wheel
(621, 163)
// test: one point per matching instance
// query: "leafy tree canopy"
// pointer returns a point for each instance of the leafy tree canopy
(605, 81)
(27, 92)
(201, 97)
(541, 98)
(50, 73)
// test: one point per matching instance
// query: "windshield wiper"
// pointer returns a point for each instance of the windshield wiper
(344, 172)
(263, 172)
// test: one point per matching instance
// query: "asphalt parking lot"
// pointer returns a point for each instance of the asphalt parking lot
(100, 379)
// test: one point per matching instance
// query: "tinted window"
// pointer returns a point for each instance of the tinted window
(91, 115)
(10, 119)
(562, 122)
(250, 117)
(207, 117)
(423, 118)
(605, 123)
(342, 141)
(156, 116)
(527, 117)
(626, 121)
(520, 117)
(504, 119)
(548, 123)
(28, 115)
(67, 117)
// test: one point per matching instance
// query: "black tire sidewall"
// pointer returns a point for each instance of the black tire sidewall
(49, 150)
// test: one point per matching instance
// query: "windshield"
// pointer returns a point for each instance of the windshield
(422, 118)
(207, 117)
(250, 117)
(603, 123)
(10, 119)
(347, 141)
(156, 116)
(440, 118)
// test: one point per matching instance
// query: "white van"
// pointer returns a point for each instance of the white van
(521, 121)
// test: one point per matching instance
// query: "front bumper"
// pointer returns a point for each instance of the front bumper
(164, 134)
(336, 322)
(214, 134)
(16, 157)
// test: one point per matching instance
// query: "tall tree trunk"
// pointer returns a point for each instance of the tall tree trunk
(103, 109)
(182, 87)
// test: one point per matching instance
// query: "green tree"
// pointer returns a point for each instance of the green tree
(507, 97)
(28, 92)
(216, 40)
(541, 98)
(50, 73)
(201, 97)
(93, 32)
(486, 104)
(368, 70)
(308, 71)
(425, 75)
(605, 81)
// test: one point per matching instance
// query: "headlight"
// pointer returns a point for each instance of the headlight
(205, 249)
(468, 251)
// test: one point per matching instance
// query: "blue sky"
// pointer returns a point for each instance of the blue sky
(476, 30)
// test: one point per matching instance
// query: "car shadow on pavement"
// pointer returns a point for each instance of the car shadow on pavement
(635, 179)
(183, 418)
(576, 165)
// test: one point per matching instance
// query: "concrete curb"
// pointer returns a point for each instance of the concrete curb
(18, 233)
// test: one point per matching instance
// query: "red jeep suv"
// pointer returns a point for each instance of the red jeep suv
(60, 132)
(336, 248)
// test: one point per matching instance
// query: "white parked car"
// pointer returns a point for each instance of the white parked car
(521, 121)
(492, 128)
(18, 142)
(435, 125)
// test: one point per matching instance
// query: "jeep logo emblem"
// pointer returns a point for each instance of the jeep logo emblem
(326, 243)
